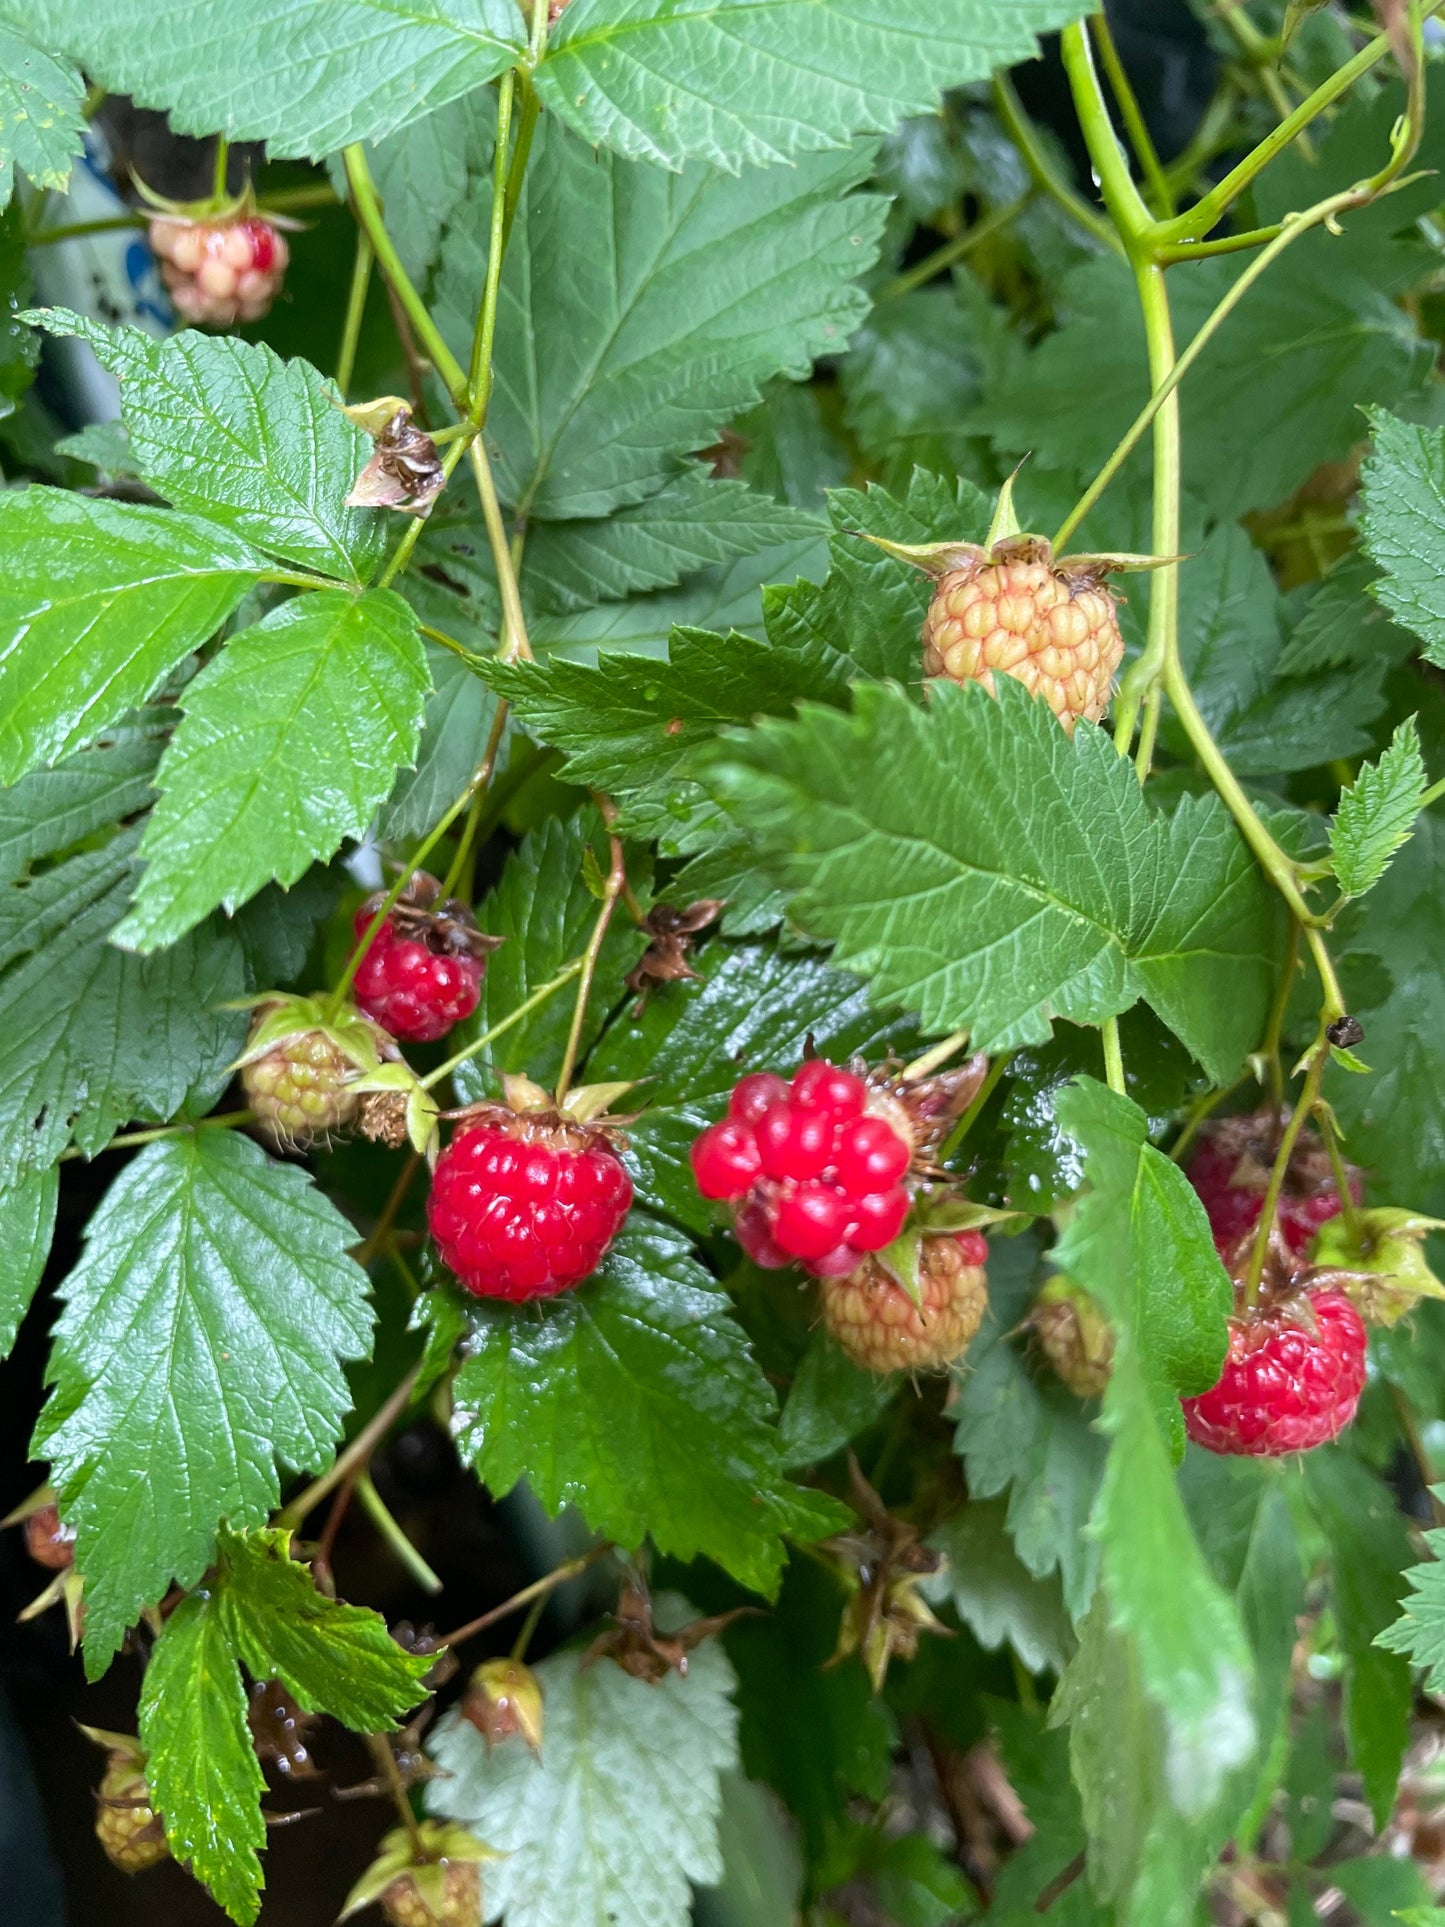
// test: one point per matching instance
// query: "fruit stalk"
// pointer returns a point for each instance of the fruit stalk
(616, 883)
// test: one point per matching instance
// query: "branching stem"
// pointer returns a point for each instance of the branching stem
(538, 1589)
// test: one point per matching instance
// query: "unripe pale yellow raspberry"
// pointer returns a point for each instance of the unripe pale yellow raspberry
(878, 1325)
(458, 1905)
(1074, 1336)
(300, 1089)
(1055, 630)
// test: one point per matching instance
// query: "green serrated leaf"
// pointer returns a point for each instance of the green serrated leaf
(993, 1592)
(1049, 855)
(52, 810)
(259, 1609)
(90, 1037)
(27, 1225)
(1164, 1674)
(1402, 484)
(98, 601)
(831, 1400)
(225, 429)
(201, 1764)
(1140, 1243)
(1388, 949)
(290, 739)
(215, 1283)
(1278, 390)
(1231, 643)
(637, 1400)
(305, 76)
(619, 1813)
(692, 522)
(1376, 813)
(331, 1657)
(1022, 1434)
(544, 909)
(623, 346)
(1369, 1547)
(760, 81)
(1343, 623)
(41, 123)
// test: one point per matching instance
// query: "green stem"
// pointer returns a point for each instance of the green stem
(355, 1457)
(933, 1057)
(1324, 1117)
(538, 1589)
(480, 781)
(1195, 222)
(296, 200)
(479, 376)
(1313, 1078)
(402, 553)
(499, 1029)
(955, 250)
(1279, 1006)
(1134, 124)
(529, 1626)
(355, 309)
(369, 214)
(385, 1756)
(76, 230)
(128, 1140)
(1198, 1112)
(382, 1518)
(1131, 217)
(450, 642)
(1433, 794)
(220, 168)
(1161, 645)
(615, 885)
(1041, 168)
(1334, 1005)
(514, 624)
(1168, 379)
(1113, 1056)
(388, 903)
(984, 1092)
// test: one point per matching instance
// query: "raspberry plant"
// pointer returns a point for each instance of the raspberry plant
(578, 879)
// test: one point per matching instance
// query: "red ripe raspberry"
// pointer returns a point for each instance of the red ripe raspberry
(878, 1325)
(524, 1205)
(1292, 1379)
(220, 272)
(423, 969)
(813, 1167)
(1053, 628)
(1230, 1171)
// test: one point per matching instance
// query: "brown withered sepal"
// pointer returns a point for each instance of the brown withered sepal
(636, 1645)
(404, 472)
(670, 933)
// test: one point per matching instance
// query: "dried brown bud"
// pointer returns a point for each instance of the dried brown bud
(670, 933)
(49, 1543)
(404, 472)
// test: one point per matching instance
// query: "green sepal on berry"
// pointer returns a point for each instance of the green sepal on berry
(444, 1887)
(936, 1212)
(1384, 1250)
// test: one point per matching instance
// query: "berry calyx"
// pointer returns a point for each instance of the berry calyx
(814, 1167)
(526, 1201)
(222, 270)
(422, 971)
(429, 1876)
(871, 1316)
(1295, 1367)
(1074, 1336)
(504, 1699)
(1230, 1171)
